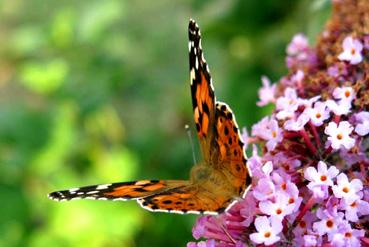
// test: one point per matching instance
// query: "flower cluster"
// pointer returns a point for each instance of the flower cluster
(310, 158)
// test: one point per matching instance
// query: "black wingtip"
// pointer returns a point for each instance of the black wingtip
(56, 196)
(193, 28)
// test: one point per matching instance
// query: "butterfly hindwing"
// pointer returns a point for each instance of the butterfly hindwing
(231, 147)
(186, 199)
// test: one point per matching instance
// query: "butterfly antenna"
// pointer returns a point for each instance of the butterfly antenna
(189, 133)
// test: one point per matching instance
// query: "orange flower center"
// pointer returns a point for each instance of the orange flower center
(347, 93)
(274, 134)
(302, 224)
(345, 189)
(348, 234)
(353, 51)
(329, 223)
(291, 200)
(267, 234)
(339, 136)
(278, 211)
(318, 115)
(353, 205)
(323, 178)
(284, 186)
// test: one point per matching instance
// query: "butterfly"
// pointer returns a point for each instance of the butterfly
(215, 183)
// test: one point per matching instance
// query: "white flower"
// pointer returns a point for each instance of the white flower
(329, 222)
(351, 50)
(344, 93)
(318, 114)
(340, 108)
(322, 176)
(339, 136)
(347, 190)
(268, 230)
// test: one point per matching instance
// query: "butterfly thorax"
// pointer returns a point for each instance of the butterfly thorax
(211, 179)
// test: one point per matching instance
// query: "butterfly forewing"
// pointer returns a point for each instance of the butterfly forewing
(117, 191)
(202, 91)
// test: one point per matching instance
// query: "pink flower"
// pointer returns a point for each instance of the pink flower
(287, 104)
(333, 71)
(267, 92)
(351, 51)
(339, 136)
(347, 190)
(207, 243)
(298, 124)
(254, 163)
(312, 240)
(304, 224)
(318, 114)
(298, 44)
(346, 236)
(264, 190)
(259, 129)
(268, 130)
(358, 155)
(297, 78)
(362, 128)
(354, 209)
(245, 137)
(268, 230)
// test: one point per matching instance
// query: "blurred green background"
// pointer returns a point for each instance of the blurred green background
(98, 91)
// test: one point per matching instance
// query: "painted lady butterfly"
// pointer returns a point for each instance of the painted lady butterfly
(215, 183)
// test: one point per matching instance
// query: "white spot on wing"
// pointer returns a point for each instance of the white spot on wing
(103, 186)
(192, 73)
(230, 205)
(92, 192)
(142, 182)
(119, 199)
